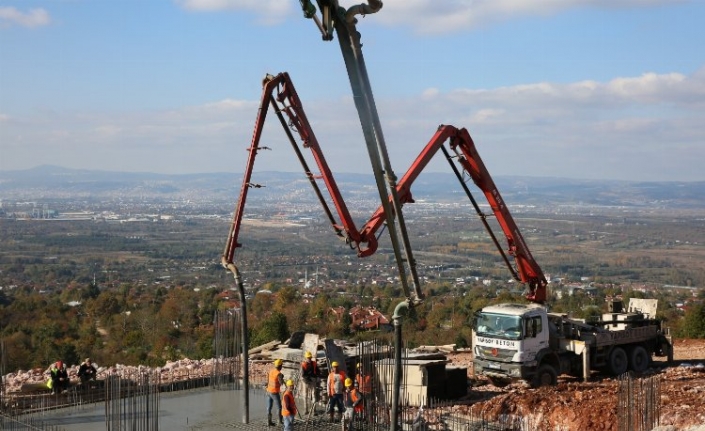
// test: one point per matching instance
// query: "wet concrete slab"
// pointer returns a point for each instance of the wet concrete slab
(193, 410)
(202, 409)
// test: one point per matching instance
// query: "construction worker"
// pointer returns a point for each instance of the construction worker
(311, 376)
(336, 388)
(353, 405)
(275, 380)
(364, 386)
(59, 378)
(289, 408)
(87, 372)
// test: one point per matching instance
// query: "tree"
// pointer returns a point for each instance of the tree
(274, 327)
(694, 321)
(285, 298)
(343, 329)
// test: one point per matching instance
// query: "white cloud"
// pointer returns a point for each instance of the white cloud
(624, 128)
(649, 88)
(425, 16)
(269, 11)
(615, 129)
(226, 105)
(434, 16)
(430, 92)
(33, 18)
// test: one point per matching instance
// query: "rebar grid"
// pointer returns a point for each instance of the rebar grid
(132, 404)
(638, 402)
(25, 423)
(227, 346)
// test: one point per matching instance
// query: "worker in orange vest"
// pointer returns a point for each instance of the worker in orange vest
(336, 382)
(353, 405)
(310, 376)
(275, 380)
(289, 408)
(364, 386)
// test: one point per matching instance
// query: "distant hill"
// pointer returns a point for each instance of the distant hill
(45, 182)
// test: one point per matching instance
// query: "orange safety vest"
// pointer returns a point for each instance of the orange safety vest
(331, 382)
(274, 382)
(353, 396)
(289, 405)
(364, 383)
(305, 368)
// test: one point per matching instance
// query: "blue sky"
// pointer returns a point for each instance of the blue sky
(594, 89)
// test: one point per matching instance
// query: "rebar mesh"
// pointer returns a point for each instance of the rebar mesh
(227, 346)
(25, 423)
(638, 402)
(132, 404)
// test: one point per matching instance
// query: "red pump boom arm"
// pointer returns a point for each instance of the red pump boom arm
(461, 144)
(280, 92)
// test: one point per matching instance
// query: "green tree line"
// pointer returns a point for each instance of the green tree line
(138, 325)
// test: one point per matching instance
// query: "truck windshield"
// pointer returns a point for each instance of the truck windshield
(499, 325)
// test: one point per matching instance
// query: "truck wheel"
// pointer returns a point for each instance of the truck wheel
(639, 359)
(545, 376)
(617, 362)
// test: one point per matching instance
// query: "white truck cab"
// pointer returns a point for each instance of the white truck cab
(507, 339)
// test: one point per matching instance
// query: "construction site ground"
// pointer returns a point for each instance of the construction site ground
(571, 405)
(577, 405)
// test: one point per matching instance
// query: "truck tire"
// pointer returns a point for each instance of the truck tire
(639, 359)
(546, 375)
(617, 362)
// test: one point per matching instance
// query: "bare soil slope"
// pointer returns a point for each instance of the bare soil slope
(577, 405)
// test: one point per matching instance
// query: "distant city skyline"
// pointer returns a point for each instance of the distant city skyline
(586, 90)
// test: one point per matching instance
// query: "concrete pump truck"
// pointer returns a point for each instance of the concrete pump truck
(526, 342)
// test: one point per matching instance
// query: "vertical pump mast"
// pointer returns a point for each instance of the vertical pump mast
(337, 19)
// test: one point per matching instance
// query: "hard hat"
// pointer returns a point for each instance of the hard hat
(348, 382)
(290, 382)
(333, 364)
(278, 362)
(308, 355)
(359, 364)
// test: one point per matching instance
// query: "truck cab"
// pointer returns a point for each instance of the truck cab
(508, 340)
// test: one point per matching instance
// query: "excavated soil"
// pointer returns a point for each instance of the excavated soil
(577, 405)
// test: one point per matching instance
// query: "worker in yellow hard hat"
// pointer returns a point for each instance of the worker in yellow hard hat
(336, 382)
(289, 408)
(311, 378)
(353, 404)
(364, 386)
(275, 380)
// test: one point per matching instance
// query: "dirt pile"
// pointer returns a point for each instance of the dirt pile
(183, 369)
(577, 405)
